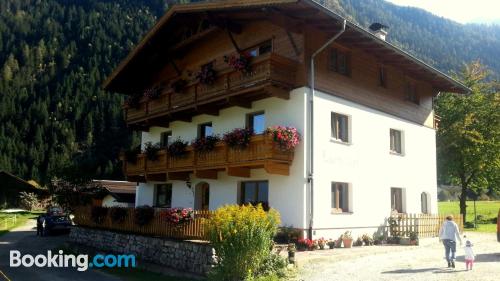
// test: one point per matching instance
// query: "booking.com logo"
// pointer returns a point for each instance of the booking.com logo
(80, 262)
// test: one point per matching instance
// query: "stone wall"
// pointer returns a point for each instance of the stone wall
(186, 256)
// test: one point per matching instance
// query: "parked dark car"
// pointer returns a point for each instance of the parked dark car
(54, 220)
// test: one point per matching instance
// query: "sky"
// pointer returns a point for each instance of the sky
(463, 11)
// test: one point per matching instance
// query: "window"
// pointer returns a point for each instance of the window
(340, 62)
(411, 93)
(255, 192)
(257, 122)
(163, 197)
(424, 198)
(340, 197)
(205, 130)
(396, 141)
(397, 200)
(382, 77)
(261, 49)
(340, 127)
(165, 139)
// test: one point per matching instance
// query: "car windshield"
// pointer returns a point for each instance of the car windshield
(55, 211)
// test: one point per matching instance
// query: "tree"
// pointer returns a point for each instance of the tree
(468, 138)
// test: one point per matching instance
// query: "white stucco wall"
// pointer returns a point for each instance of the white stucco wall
(365, 163)
(286, 193)
(368, 166)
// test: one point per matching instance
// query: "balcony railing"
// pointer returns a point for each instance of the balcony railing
(262, 152)
(268, 71)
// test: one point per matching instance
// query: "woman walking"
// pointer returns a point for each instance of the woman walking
(448, 234)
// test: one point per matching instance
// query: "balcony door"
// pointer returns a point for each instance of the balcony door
(202, 196)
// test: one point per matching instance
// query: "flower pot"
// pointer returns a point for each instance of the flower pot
(347, 243)
(414, 242)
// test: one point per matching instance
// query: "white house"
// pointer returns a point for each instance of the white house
(368, 138)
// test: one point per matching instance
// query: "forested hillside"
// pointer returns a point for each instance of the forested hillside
(53, 57)
(54, 54)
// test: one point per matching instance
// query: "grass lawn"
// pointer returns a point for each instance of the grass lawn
(21, 219)
(488, 209)
(142, 275)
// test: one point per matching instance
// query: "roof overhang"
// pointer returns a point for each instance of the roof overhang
(301, 11)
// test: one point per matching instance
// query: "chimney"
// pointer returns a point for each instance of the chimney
(379, 30)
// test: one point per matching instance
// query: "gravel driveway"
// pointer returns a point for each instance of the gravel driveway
(424, 262)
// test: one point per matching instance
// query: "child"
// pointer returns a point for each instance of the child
(469, 255)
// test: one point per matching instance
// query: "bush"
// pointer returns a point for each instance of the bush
(242, 239)
(98, 214)
(28, 200)
(143, 215)
(118, 214)
(469, 224)
(287, 234)
(273, 265)
(151, 150)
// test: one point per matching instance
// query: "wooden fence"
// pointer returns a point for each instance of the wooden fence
(196, 229)
(422, 224)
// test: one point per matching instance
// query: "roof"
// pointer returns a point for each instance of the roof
(28, 186)
(122, 191)
(295, 10)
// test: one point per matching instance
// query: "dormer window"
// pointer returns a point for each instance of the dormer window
(340, 62)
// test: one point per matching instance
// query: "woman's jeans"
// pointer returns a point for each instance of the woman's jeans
(449, 246)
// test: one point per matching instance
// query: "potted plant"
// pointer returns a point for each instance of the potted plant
(367, 240)
(178, 215)
(286, 138)
(358, 242)
(178, 85)
(347, 239)
(331, 243)
(238, 138)
(205, 144)
(177, 148)
(321, 243)
(240, 62)
(413, 238)
(118, 214)
(303, 244)
(143, 215)
(313, 245)
(152, 93)
(151, 150)
(207, 74)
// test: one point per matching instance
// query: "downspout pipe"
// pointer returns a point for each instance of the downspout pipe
(310, 176)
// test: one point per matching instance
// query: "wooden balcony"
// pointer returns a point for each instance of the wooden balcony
(271, 75)
(261, 153)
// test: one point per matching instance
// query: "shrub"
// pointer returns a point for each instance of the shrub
(98, 214)
(177, 148)
(151, 150)
(242, 238)
(143, 215)
(287, 234)
(287, 138)
(205, 144)
(118, 214)
(28, 200)
(273, 265)
(238, 138)
(469, 224)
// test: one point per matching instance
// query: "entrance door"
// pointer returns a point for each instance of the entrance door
(202, 196)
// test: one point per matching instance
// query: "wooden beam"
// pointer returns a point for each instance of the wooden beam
(242, 172)
(277, 92)
(136, 179)
(208, 110)
(277, 168)
(178, 176)
(157, 177)
(236, 101)
(206, 174)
